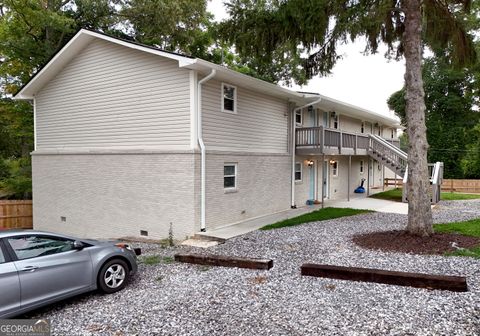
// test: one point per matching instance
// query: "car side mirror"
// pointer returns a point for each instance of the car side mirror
(78, 245)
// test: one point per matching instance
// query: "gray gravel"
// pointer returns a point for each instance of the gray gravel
(182, 299)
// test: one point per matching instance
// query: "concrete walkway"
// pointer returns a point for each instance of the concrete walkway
(368, 203)
(247, 226)
(356, 202)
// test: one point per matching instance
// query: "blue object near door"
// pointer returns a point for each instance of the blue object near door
(360, 189)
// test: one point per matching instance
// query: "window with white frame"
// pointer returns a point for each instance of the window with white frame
(230, 176)
(298, 117)
(229, 98)
(335, 168)
(392, 133)
(298, 171)
(362, 164)
(335, 120)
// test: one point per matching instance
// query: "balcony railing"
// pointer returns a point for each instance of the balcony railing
(321, 140)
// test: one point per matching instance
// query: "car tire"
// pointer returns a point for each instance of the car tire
(113, 276)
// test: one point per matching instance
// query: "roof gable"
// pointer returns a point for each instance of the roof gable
(73, 48)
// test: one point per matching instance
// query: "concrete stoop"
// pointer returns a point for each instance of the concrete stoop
(203, 240)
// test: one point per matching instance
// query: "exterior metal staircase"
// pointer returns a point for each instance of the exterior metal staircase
(387, 154)
(396, 159)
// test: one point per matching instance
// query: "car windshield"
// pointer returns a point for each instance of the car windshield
(36, 246)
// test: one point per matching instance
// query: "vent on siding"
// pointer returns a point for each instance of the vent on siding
(63, 218)
(143, 233)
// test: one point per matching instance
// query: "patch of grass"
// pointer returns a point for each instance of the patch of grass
(315, 216)
(166, 242)
(472, 252)
(467, 228)
(159, 278)
(396, 195)
(203, 268)
(451, 196)
(389, 195)
(168, 260)
(155, 259)
(150, 260)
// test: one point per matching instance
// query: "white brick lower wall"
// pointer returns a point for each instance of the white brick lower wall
(263, 187)
(111, 196)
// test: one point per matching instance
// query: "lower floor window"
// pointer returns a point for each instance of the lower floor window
(335, 168)
(298, 171)
(230, 175)
(361, 166)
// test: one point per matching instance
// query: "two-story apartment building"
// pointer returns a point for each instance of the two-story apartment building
(132, 140)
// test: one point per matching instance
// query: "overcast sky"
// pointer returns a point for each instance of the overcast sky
(365, 81)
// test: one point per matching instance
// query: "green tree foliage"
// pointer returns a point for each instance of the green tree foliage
(450, 97)
(171, 25)
(305, 34)
(16, 182)
(471, 160)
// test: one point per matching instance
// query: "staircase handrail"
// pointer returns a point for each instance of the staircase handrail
(390, 146)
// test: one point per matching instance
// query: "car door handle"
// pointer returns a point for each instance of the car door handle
(29, 268)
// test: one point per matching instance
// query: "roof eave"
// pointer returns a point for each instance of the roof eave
(234, 77)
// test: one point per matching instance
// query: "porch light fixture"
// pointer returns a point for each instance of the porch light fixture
(310, 163)
(332, 162)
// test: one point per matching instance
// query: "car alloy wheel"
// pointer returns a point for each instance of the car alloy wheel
(113, 276)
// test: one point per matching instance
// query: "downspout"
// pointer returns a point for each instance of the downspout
(202, 147)
(294, 124)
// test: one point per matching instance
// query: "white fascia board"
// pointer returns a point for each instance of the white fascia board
(78, 42)
(179, 58)
(358, 112)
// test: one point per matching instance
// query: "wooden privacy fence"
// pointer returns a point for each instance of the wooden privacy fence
(16, 215)
(463, 186)
(455, 185)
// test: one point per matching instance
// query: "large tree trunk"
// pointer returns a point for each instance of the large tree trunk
(419, 212)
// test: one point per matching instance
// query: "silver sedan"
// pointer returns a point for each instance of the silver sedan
(38, 268)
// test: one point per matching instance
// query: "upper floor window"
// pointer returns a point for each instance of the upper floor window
(230, 176)
(229, 98)
(392, 133)
(298, 171)
(362, 127)
(298, 117)
(335, 120)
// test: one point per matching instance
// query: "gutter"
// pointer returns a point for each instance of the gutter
(294, 124)
(202, 148)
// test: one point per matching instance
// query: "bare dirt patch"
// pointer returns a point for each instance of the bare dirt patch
(403, 242)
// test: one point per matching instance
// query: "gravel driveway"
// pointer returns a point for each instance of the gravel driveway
(180, 299)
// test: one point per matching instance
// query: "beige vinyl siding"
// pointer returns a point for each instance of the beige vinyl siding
(349, 124)
(110, 96)
(259, 125)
